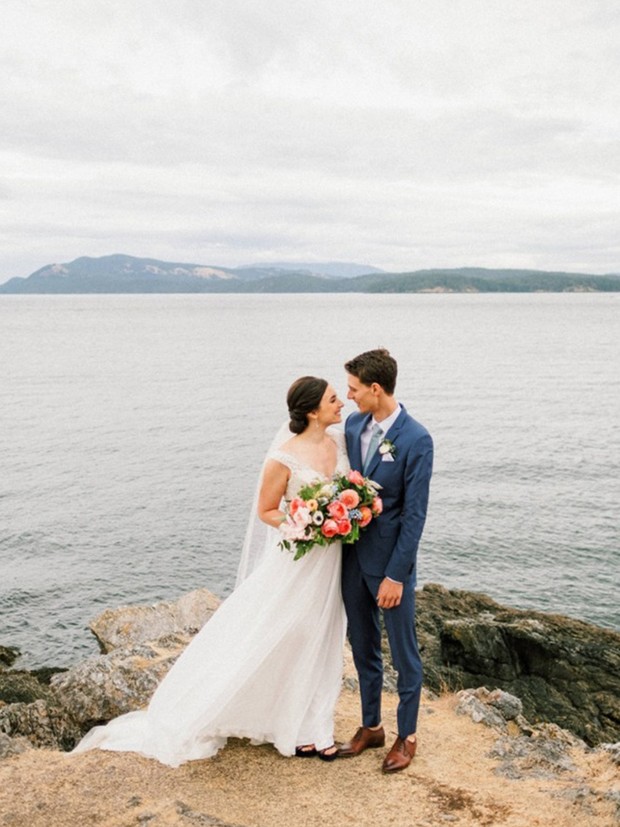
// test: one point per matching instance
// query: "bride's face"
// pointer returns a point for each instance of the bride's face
(328, 412)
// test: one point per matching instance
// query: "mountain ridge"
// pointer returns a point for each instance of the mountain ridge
(120, 273)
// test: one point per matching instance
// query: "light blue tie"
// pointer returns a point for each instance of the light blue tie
(375, 439)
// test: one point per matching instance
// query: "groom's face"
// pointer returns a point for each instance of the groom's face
(363, 395)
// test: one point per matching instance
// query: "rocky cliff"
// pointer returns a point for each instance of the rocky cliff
(480, 760)
(565, 671)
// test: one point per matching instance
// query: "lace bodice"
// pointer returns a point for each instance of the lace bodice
(302, 474)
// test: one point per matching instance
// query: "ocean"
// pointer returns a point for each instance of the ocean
(133, 427)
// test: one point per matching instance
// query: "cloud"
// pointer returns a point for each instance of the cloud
(401, 134)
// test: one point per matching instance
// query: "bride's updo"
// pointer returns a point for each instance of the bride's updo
(303, 397)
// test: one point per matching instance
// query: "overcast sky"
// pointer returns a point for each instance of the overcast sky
(401, 133)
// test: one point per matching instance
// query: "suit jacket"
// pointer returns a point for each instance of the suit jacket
(388, 546)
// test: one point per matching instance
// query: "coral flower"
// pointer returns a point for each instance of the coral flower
(337, 510)
(355, 477)
(329, 528)
(295, 504)
(377, 505)
(366, 516)
(344, 527)
(350, 498)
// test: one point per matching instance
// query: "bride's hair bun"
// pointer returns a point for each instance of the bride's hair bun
(303, 397)
(298, 423)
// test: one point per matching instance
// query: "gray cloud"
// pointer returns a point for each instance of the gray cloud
(403, 134)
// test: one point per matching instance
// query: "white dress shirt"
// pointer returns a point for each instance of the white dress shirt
(385, 426)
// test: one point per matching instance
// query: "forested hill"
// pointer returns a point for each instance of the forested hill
(128, 274)
(481, 280)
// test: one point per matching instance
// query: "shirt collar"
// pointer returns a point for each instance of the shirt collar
(386, 423)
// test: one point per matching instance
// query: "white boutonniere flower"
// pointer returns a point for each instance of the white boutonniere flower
(387, 448)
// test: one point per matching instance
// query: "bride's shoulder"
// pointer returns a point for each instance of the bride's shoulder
(338, 437)
(285, 456)
(286, 446)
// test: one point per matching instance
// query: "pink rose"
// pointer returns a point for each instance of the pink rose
(301, 517)
(344, 527)
(350, 498)
(337, 510)
(366, 516)
(377, 506)
(329, 528)
(355, 477)
(290, 531)
(295, 504)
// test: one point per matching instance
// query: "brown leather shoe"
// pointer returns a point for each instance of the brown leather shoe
(399, 757)
(364, 738)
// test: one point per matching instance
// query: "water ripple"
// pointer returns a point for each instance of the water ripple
(138, 425)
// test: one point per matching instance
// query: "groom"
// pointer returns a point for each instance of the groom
(390, 447)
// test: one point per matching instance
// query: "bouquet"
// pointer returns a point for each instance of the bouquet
(324, 512)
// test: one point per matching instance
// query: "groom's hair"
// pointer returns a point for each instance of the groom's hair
(374, 366)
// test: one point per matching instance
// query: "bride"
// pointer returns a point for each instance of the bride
(268, 664)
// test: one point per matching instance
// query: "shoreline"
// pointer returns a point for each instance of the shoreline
(480, 762)
(563, 671)
(11, 655)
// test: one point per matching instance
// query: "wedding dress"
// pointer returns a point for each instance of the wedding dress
(266, 666)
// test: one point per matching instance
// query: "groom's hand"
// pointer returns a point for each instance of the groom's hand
(389, 594)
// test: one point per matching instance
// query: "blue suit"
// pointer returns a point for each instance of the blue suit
(388, 548)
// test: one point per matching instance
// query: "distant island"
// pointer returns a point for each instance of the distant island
(128, 274)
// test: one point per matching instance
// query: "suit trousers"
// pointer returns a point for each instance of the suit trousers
(359, 592)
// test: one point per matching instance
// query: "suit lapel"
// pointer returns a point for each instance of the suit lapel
(391, 436)
(358, 430)
(393, 431)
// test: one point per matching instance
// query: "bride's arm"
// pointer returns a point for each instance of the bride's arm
(275, 480)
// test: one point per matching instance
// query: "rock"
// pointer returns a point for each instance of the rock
(477, 704)
(505, 706)
(143, 642)
(8, 655)
(93, 692)
(565, 671)
(12, 746)
(43, 723)
(17, 686)
(544, 667)
(130, 625)
(508, 705)
(539, 751)
(540, 757)
(105, 686)
(613, 750)
(21, 687)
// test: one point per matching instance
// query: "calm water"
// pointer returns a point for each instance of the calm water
(132, 429)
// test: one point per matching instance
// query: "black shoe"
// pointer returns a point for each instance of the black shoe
(308, 751)
(324, 755)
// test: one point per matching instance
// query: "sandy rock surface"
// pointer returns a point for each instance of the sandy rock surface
(453, 780)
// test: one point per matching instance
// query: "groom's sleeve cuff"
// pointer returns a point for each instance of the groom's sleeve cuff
(391, 579)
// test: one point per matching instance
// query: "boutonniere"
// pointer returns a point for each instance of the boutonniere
(387, 447)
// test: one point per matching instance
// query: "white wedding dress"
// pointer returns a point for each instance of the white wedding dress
(266, 666)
